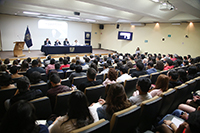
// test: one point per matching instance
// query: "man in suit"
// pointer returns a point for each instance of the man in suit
(66, 42)
(47, 42)
(57, 42)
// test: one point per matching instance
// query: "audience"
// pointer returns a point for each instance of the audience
(78, 72)
(124, 74)
(112, 77)
(105, 68)
(36, 78)
(6, 80)
(139, 70)
(169, 64)
(14, 72)
(51, 65)
(182, 75)
(173, 79)
(24, 66)
(159, 66)
(57, 68)
(34, 68)
(150, 67)
(192, 72)
(65, 62)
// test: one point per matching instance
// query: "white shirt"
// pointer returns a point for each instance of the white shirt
(139, 98)
(123, 77)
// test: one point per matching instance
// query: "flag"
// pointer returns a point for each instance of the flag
(27, 38)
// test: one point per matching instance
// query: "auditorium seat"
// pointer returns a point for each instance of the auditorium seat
(93, 93)
(100, 76)
(100, 69)
(68, 73)
(144, 76)
(192, 86)
(43, 107)
(22, 73)
(42, 86)
(153, 77)
(84, 70)
(198, 84)
(61, 74)
(14, 80)
(61, 104)
(105, 76)
(78, 80)
(164, 72)
(149, 112)
(101, 126)
(44, 77)
(168, 98)
(130, 86)
(65, 68)
(131, 70)
(125, 121)
(65, 82)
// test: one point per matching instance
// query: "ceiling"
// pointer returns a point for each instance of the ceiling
(105, 11)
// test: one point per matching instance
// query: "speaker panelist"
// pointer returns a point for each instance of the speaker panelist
(66, 42)
(57, 42)
(47, 42)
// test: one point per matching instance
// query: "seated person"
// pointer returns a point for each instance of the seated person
(21, 116)
(173, 79)
(78, 72)
(34, 68)
(78, 115)
(66, 42)
(124, 74)
(105, 68)
(150, 67)
(14, 72)
(143, 85)
(47, 42)
(160, 86)
(24, 66)
(57, 42)
(112, 77)
(6, 80)
(65, 61)
(76, 43)
(23, 92)
(169, 64)
(116, 100)
(91, 80)
(57, 68)
(182, 75)
(36, 78)
(56, 88)
(139, 70)
(159, 66)
(192, 72)
(51, 65)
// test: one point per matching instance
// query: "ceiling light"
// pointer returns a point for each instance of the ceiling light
(73, 18)
(155, 0)
(31, 13)
(90, 20)
(54, 15)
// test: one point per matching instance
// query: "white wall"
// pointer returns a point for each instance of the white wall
(13, 26)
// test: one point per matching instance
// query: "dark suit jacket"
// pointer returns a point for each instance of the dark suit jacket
(138, 73)
(56, 43)
(66, 43)
(45, 42)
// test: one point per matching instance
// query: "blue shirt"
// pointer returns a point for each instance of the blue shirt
(152, 70)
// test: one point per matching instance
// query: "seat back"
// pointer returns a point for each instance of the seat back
(61, 74)
(68, 73)
(145, 76)
(149, 112)
(154, 77)
(42, 86)
(4, 95)
(43, 107)
(100, 76)
(130, 86)
(101, 126)
(105, 76)
(44, 77)
(100, 69)
(61, 105)
(168, 99)
(164, 72)
(78, 80)
(131, 70)
(65, 82)
(192, 86)
(198, 84)
(125, 120)
(94, 93)
(65, 68)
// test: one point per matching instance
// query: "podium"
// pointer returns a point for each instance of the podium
(19, 46)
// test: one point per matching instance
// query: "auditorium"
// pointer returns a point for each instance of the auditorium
(99, 66)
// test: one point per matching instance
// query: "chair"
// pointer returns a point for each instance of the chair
(94, 93)
(61, 104)
(15, 80)
(65, 68)
(22, 73)
(100, 76)
(192, 86)
(101, 126)
(44, 77)
(131, 70)
(144, 76)
(130, 86)
(168, 98)
(154, 77)
(149, 112)
(125, 120)
(164, 72)
(43, 107)
(42, 86)
(65, 82)
(68, 73)
(4, 95)
(105, 76)
(78, 80)
(84, 70)
(61, 74)
(100, 69)
(198, 84)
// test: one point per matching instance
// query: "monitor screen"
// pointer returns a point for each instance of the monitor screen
(125, 35)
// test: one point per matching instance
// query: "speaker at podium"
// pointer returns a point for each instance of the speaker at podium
(19, 46)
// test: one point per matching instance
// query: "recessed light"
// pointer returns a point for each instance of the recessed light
(31, 13)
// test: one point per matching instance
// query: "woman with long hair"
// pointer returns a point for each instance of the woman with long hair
(161, 85)
(78, 115)
(112, 77)
(21, 118)
(116, 100)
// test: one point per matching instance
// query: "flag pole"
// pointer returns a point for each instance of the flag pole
(29, 50)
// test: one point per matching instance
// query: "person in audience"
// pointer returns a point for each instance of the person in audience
(65, 64)
(6, 80)
(112, 77)
(129, 64)
(40, 62)
(105, 68)
(47, 61)
(169, 64)
(150, 67)
(23, 92)
(15, 63)
(140, 70)
(116, 60)
(14, 72)
(36, 77)
(109, 62)
(57, 68)
(78, 115)
(24, 66)
(78, 72)
(51, 65)
(34, 68)
(57, 42)
(182, 75)
(159, 66)
(192, 72)
(160, 86)
(93, 65)
(3, 69)
(124, 74)
(21, 118)
(83, 64)
(91, 80)
(173, 79)
(29, 61)
(66, 42)
(47, 42)
(56, 88)
(185, 62)
(143, 85)
(116, 100)
(7, 61)
(60, 60)
(1, 62)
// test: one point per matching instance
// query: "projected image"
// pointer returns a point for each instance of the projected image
(125, 35)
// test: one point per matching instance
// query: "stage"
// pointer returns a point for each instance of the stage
(37, 53)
